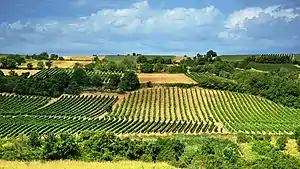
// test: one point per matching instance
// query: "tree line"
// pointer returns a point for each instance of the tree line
(281, 85)
(189, 152)
(273, 59)
(62, 82)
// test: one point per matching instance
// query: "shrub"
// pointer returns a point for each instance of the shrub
(244, 138)
(262, 147)
(281, 142)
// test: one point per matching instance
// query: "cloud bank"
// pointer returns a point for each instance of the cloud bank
(140, 28)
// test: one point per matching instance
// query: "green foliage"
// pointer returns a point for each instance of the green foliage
(29, 66)
(181, 85)
(262, 147)
(53, 57)
(146, 68)
(48, 64)
(114, 82)
(211, 53)
(7, 63)
(141, 59)
(244, 138)
(129, 82)
(80, 77)
(281, 142)
(177, 69)
(40, 65)
(272, 58)
(60, 147)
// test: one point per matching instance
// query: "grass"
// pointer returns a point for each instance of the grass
(269, 67)
(233, 57)
(80, 165)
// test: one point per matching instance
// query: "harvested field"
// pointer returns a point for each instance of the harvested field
(58, 63)
(19, 71)
(68, 64)
(178, 58)
(79, 164)
(82, 58)
(163, 78)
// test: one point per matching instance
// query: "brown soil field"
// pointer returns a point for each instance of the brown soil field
(82, 58)
(163, 78)
(19, 71)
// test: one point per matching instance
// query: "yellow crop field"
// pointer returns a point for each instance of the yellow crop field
(19, 71)
(82, 58)
(163, 78)
(80, 165)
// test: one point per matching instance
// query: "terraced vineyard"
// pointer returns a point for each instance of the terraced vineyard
(234, 111)
(53, 71)
(12, 126)
(156, 110)
(16, 104)
(77, 106)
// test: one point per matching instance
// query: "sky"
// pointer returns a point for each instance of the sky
(177, 27)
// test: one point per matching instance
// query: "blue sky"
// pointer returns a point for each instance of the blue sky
(86, 27)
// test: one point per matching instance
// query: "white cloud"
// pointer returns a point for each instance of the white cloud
(143, 29)
(238, 19)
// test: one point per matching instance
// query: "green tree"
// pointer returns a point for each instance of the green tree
(211, 53)
(80, 77)
(53, 57)
(49, 64)
(129, 82)
(29, 66)
(114, 81)
(40, 65)
(34, 139)
(141, 59)
(146, 68)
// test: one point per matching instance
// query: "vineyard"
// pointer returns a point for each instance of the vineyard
(16, 104)
(13, 126)
(233, 111)
(77, 106)
(53, 71)
(149, 110)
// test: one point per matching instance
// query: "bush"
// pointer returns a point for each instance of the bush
(262, 147)
(146, 68)
(129, 82)
(281, 142)
(244, 138)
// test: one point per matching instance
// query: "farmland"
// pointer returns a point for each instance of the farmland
(163, 78)
(233, 111)
(19, 71)
(85, 165)
(157, 110)
(269, 67)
